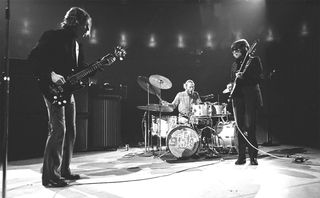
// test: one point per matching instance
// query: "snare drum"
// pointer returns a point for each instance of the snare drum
(164, 125)
(183, 141)
(202, 110)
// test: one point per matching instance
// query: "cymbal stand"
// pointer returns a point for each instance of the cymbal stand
(159, 128)
(147, 128)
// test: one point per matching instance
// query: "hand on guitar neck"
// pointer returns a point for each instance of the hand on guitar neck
(239, 75)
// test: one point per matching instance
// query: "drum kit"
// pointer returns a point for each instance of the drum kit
(183, 140)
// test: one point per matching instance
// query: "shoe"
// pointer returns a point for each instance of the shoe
(54, 183)
(71, 176)
(253, 161)
(240, 161)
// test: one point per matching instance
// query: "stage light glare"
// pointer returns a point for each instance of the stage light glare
(209, 42)
(25, 27)
(152, 41)
(181, 43)
(93, 38)
(123, 40)
(304, 30)
(270, 36)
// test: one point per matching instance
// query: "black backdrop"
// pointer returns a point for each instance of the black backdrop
(290, 60)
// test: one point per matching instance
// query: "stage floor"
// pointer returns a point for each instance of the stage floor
(130, 174)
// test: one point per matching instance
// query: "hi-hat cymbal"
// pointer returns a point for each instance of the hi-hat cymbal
(145, 84)
(160, 82)
(156, 107)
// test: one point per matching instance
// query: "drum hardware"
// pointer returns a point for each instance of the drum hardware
(145, 85)
(161, 82)
(153, 85)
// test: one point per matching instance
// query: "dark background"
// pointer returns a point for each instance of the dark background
(290, 59)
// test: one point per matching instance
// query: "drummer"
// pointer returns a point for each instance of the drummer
(184, 101)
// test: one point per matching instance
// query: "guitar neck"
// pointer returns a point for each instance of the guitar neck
(91, 68)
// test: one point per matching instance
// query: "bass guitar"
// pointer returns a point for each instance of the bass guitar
(59, 94)
(245, 64)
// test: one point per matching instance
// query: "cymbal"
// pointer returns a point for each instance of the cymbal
(160, 82)
(145, 85)
(156, 107)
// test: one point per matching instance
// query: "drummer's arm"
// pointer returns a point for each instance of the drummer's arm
(175, 102)
(173, 105)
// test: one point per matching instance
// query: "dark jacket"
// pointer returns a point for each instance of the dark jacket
(55, 52)
(250, 80)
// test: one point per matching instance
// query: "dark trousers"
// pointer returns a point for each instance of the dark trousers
(244, 109)
(60, 142)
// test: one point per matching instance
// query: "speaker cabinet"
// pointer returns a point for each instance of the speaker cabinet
(81, 143)
(82, 123)
(105, 122)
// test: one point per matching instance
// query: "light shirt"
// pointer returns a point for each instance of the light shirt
(184, 102)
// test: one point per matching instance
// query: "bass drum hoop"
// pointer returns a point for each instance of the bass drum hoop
(183, 141)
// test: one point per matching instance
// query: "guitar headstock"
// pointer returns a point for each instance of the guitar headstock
(253, 48)
(119, 52)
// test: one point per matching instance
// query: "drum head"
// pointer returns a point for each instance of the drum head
(183, 141)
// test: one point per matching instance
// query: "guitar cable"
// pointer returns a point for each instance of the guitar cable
(297, 159)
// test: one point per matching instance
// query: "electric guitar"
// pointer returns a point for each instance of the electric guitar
(59, 94)
(244, 66)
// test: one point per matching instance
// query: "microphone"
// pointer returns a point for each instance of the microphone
(206, 97)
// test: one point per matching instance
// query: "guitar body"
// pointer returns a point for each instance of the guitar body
(60, 94)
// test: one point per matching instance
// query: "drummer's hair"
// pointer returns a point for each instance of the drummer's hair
(185, 84)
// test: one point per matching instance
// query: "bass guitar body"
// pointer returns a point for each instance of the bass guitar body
(60, 94)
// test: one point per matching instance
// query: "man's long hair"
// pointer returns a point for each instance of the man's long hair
(241, 44)
(76, 16)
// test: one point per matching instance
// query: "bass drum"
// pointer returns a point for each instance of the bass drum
(183, 141)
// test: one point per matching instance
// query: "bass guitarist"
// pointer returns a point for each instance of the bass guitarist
(246, 74)
(55, 56)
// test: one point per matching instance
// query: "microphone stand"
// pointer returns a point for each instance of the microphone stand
(6, 81)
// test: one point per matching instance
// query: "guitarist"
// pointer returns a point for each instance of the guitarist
(246, 98)
(55, 56)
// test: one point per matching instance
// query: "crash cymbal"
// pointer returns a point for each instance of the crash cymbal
(160, 82)
(156, 107)
(145, 85)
